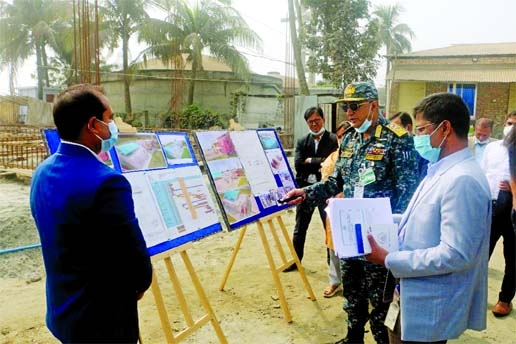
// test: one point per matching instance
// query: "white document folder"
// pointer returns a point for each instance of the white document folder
(351, 219)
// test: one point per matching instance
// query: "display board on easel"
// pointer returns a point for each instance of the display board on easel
(249, 172)
(172, 202)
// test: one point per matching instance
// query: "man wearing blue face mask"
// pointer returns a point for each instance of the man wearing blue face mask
(95, 257)
(481, 137)
(444, 234)
(376, 159)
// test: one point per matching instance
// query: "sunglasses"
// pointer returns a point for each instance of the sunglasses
(353, 106)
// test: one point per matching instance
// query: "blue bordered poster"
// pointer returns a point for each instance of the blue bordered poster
(249, 171)
(172, 201)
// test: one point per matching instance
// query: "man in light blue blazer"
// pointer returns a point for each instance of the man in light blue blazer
(444, 233)
(95, 256)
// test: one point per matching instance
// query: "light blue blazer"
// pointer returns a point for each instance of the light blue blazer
(444, 252)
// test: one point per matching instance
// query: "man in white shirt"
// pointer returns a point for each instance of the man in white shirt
(495, 164)
(481, 137)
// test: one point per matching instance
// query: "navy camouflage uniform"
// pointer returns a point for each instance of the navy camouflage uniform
(389, 151)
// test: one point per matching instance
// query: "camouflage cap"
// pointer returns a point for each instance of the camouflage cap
(357, 91)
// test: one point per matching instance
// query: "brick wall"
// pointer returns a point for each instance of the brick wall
(436, 87)
(492, 102)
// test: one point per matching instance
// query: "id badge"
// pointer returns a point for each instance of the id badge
(358, 192)
(367, 176)
(392, 315)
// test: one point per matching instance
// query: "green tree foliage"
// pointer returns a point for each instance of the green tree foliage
(393, 35)
(194, 117)
(124, 19)
(343, 39)
(27, 27)
(211, 27)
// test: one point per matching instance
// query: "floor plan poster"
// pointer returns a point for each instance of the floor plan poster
(351, 219)
(247, 177)
(173, 206)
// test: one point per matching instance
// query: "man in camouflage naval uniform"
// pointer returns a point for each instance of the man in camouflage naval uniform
(377, 159)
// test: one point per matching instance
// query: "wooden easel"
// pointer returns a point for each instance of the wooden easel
(191, 324)
(275, 270)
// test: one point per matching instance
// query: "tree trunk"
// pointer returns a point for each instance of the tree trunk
(191, 87)
(300, 68)
(39, 71)
(12, 77)
(127, 77)
(44, 59)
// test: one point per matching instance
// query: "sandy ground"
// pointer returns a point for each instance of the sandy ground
(248, 310)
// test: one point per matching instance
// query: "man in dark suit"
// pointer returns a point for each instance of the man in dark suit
(311, 150)
(95, 256)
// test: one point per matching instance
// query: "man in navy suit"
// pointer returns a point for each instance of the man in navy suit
(95, 256)
(311, 150)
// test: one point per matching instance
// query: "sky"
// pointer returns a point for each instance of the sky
(436, 24)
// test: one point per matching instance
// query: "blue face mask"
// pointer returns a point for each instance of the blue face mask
(109, 143)
(367, 123)
(424, 147)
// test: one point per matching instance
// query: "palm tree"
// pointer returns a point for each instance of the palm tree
(124, 18)
(212, 27)
(13, 50)
(29, 23)
(393, 35)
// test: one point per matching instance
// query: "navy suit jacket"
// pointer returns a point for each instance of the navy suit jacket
(95, 256)
(305, 148)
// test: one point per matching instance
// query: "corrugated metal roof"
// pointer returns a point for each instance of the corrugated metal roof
(455, 75)
(466, 50)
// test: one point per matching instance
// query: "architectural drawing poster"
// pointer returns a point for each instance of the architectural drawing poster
(172, 201)
(248, 170)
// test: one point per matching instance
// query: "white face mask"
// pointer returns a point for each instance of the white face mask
(319, 132)
(506, 130)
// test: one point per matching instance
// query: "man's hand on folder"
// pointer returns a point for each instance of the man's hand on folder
(378, 253)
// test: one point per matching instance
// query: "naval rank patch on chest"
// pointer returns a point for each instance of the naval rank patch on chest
(376, 152)
(347, 152)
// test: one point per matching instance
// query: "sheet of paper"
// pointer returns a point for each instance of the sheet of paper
(254, 161)
(351, 219)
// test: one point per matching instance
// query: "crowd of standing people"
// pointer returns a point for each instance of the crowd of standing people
(455, 197)
(453, 194)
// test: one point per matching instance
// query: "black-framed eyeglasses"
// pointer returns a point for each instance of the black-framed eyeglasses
(314, 121)
(353, 106)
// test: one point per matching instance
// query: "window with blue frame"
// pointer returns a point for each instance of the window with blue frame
(467, 92)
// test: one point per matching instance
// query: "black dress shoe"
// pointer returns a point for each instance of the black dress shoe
(291, 268)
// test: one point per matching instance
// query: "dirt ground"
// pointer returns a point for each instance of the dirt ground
(248, 310)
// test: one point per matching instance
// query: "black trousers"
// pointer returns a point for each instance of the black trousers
(501, 226)
(304, 213)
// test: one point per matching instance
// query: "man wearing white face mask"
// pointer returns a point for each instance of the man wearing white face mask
(95, 257)
(311, 150)
(443, 235)
(495, 165)
(481, 137)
